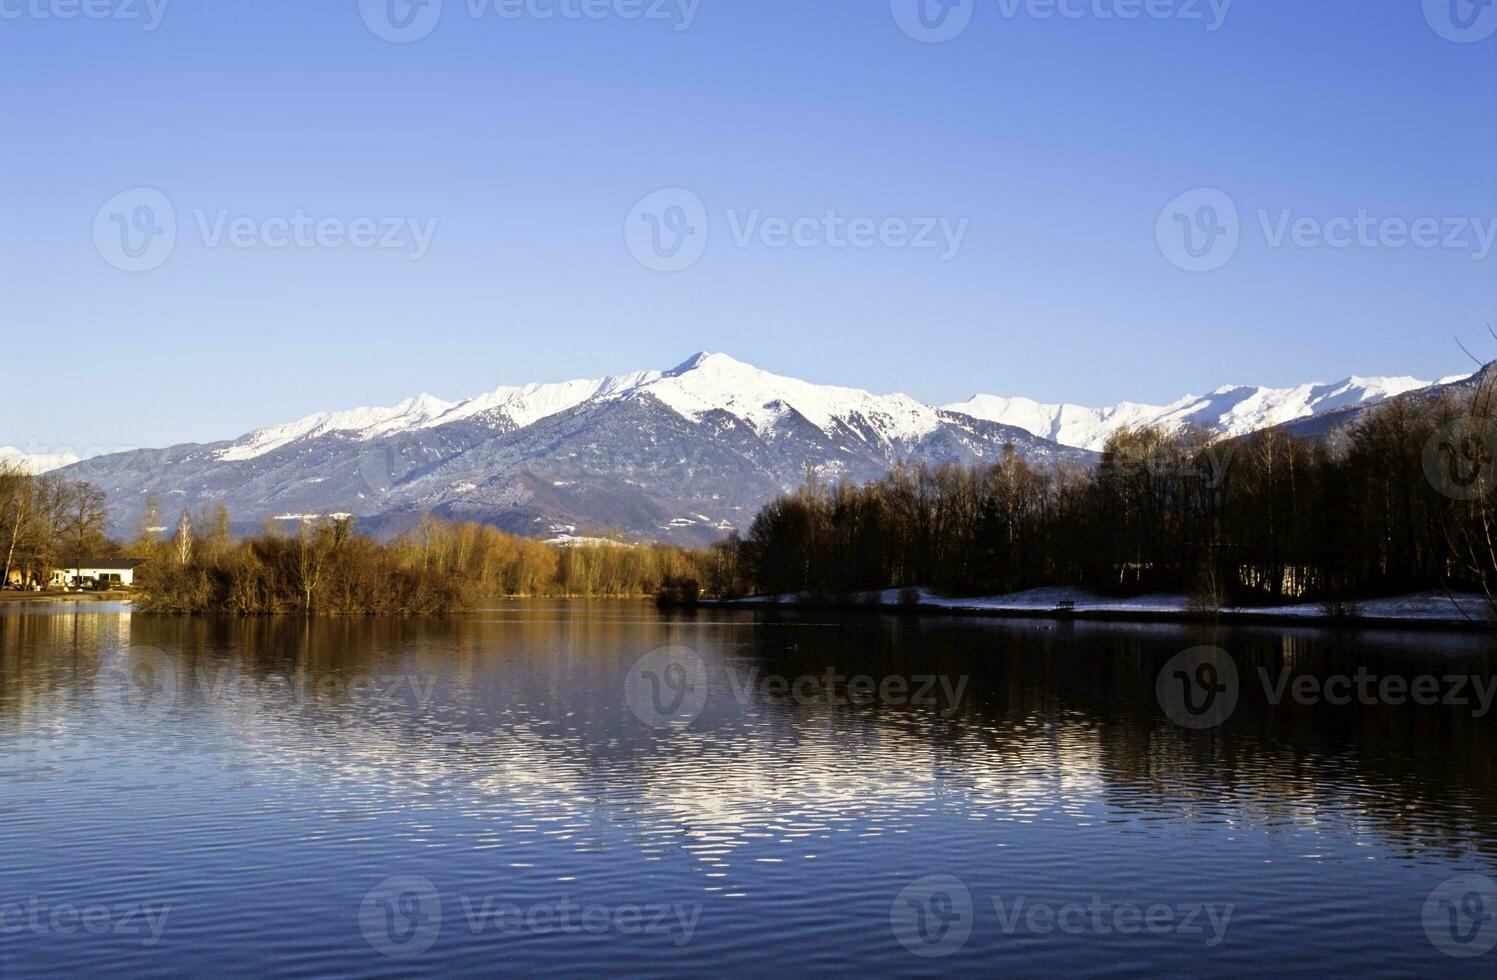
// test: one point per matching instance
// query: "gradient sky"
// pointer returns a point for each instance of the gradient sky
(530, 140)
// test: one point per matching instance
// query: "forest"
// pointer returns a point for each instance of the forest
(1402, 501)
(325, 567)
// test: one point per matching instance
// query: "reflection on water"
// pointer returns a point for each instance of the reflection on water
(282, 769)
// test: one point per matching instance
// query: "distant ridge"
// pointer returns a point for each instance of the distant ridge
(685, 454)
(1234, 410)
(34, 463)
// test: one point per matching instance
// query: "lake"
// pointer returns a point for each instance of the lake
(585, 788)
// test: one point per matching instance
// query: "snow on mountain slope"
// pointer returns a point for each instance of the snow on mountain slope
(361, 423)
(34, 463)
(528, 404)
(522, 405)
(1232, 410)
(717, 381)
(704, 383)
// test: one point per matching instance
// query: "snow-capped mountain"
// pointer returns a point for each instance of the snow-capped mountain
(703, 384)
(34, 463)
(685, 454)
(1234, 410)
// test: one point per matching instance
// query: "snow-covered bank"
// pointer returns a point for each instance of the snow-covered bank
(1426, 609)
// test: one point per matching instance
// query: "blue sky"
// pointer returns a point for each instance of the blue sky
(522, 143)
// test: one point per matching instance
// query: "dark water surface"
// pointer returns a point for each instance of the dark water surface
(491, 795)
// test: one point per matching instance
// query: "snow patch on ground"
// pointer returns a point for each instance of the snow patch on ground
(1428, 607)
(582, 541)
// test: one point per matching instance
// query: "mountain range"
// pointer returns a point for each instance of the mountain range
(682, 455)
(1234, 410)
(34, 462)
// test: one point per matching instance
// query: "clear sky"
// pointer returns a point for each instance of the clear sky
(1054, 143)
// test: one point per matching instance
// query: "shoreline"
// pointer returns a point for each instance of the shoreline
(1433, 611)
(115, 596)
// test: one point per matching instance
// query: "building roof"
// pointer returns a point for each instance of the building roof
(104, 564)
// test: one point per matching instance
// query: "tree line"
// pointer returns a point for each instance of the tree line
(47, 523)
(324, 567)
(1401, 501)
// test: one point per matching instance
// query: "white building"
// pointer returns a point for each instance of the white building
(111, 572)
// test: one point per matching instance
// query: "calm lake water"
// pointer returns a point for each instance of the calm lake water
(518, 792)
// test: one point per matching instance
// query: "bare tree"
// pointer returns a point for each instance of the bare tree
(86, 516)
(220, 529)
(316, 546)
(183, 540)
(16, 500)
(149, 524)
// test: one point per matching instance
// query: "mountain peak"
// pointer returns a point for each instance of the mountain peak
(706, 359)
